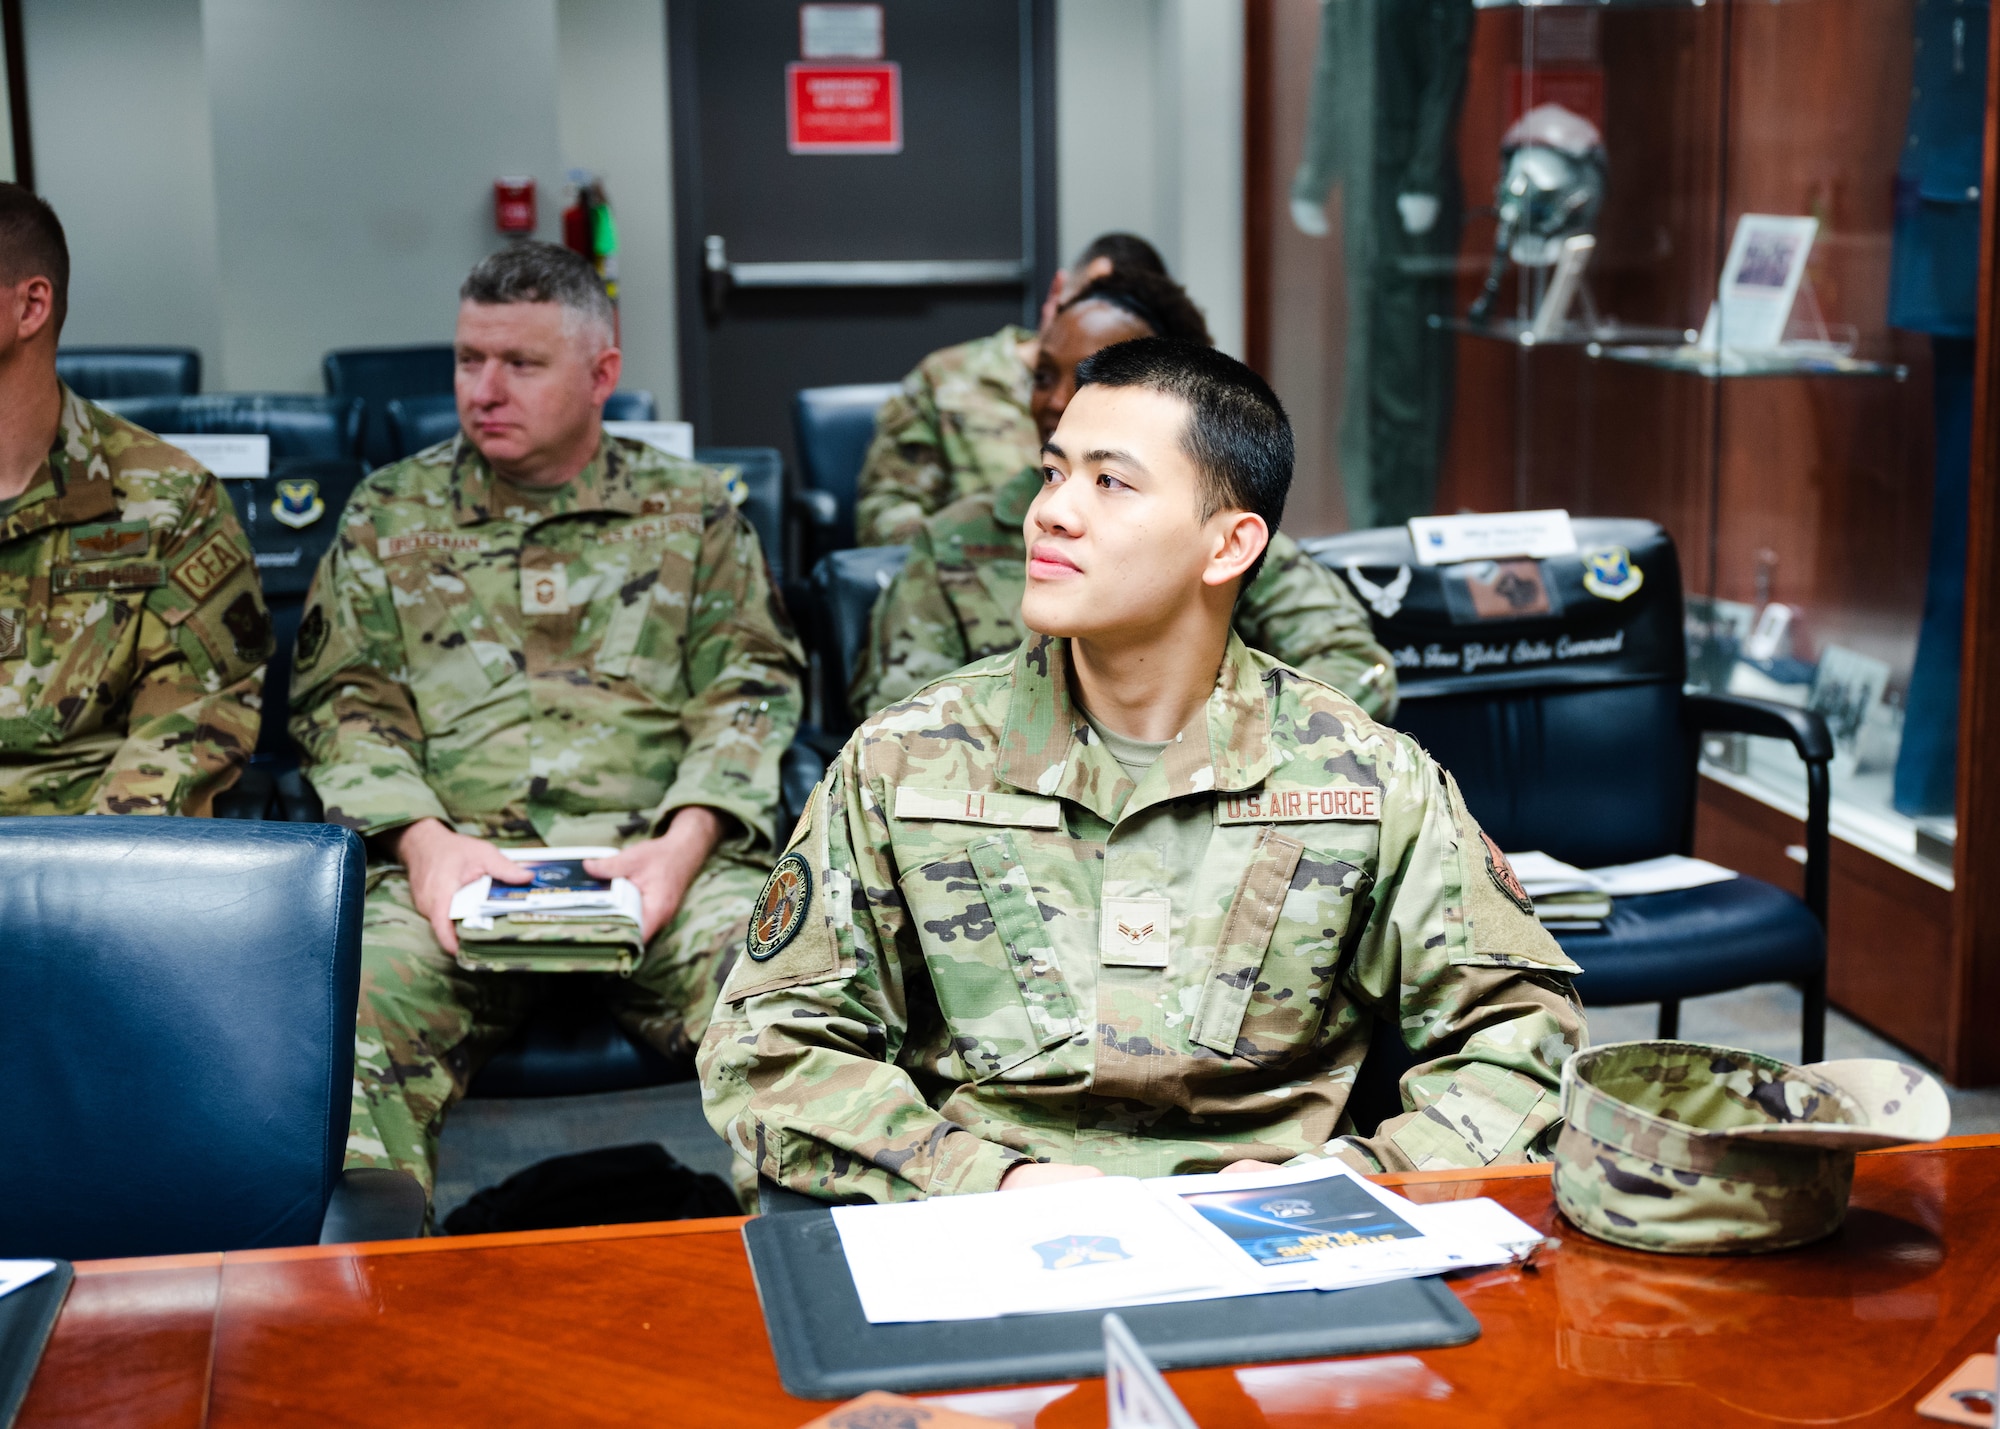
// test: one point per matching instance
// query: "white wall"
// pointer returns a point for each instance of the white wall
(356, 144)
(1149, 106)
(612, 116)
(118, 115)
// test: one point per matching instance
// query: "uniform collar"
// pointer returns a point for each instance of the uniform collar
(1046, 747)
(604, 484)
(1007, 372)
(77, 467)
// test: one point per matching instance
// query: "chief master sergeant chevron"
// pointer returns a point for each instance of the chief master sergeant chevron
(538, 634)
(1127, 899)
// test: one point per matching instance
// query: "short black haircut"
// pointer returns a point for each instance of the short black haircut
(539, 273)
(32, 246)
(1153, 298)
(1128, 252)
(1237, 432)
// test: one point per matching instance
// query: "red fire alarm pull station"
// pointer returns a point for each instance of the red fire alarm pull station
(514, 205)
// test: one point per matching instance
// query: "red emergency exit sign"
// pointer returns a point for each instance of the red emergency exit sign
(844, 109)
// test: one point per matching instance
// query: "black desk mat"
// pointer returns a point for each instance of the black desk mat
(26, 1317)
(826, 1349)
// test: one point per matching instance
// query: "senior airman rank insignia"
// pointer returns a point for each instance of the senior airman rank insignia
(1609, 573)
(298, 502)
(781, 908)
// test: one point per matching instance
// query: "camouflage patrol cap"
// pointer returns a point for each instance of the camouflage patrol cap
(1699, 1150)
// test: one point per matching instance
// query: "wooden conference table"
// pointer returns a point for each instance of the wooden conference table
(659, 1325)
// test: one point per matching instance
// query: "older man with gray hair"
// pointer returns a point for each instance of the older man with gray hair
(538, 635)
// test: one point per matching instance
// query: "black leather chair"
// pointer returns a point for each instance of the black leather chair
(301, 428)
(763, 472)
(845, 586)
(1562, 715)
(832, 427)
(380, 374)
(101, 372)
(423, 420)
(287, 555)
(178, 1058)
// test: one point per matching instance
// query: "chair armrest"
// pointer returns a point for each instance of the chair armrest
(1738, 714)
(1807, 731)
(370, 1203)
(817, 509)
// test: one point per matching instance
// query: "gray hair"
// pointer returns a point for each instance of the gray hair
(540, 273)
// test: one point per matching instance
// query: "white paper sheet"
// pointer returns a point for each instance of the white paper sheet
(16, 1273)
(1481, 1218)
(1079, 1245)
(476, 906)
(1542, 875)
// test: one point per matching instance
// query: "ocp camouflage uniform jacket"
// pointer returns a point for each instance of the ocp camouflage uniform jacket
(961, 425)
(132, 633)
(561, 667)
(978, 890)
(958, 599)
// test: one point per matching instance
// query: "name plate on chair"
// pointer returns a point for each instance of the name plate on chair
(231, 454)
(1490, 536)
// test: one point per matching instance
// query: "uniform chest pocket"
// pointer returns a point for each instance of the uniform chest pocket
(991, 962)
(88, 632)
(1267, 988)
(458, 660)
(642, 637)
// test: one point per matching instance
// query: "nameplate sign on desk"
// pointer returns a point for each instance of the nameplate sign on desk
(229, 454)
(673, 438)
(1490, 536)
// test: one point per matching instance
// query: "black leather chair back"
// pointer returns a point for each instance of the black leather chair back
(845, 586)
(301, 428)
(178, 1057)
(274, 511)
(634, 406)
(1557, 708)
(762, 470)
(832, 427)
(101, 372)
(378, 374)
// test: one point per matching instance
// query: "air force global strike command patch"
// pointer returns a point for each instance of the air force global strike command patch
(1504, 877)
(781, 908)
(1609, 573)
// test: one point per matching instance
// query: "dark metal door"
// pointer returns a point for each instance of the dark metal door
(813, 269)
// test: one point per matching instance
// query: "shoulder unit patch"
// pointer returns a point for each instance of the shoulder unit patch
(780, 910)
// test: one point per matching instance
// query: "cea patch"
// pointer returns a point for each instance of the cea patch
(1504, 877)
(781, 908)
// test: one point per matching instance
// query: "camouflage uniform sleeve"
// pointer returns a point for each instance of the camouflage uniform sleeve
(798, 1069)
(743, 669)
(202, 643)
(1304, 614)
(351, 710)
(1452, 950)
(913, 635)
(903, 478)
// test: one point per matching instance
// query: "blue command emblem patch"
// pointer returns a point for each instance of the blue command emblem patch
(781, 907)
(1068, 1252)
(298, 502)
(1609, 574)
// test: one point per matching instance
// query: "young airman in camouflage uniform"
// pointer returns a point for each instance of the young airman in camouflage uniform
(132, 633)
(538, 666)
(997, 947)
(959, 600)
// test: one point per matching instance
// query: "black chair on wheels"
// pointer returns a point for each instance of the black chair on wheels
(1561, 711)
(832, 427)
(179, 1055)
(378, 375)
(101, 372)
(301, 427)
(845, 586)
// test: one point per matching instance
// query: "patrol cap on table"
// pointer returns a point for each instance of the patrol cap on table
(1698, 1150)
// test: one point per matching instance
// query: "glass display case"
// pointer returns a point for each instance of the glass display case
(1714, 264)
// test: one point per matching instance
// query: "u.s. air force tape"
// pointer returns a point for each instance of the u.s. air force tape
(781, 908)
(1301, 806)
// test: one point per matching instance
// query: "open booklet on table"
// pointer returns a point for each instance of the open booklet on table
(1101, 1243)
